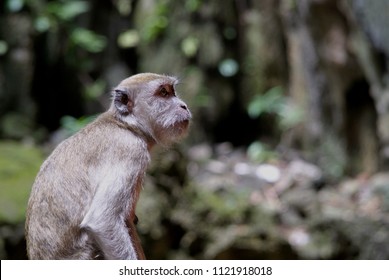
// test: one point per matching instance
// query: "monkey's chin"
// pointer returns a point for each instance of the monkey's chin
(174, 133)
(182, 127)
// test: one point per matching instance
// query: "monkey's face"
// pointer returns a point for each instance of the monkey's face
(169, 114)
(156, 107)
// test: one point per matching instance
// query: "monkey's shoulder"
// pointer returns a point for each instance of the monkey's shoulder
(115, 134)
(103, 137)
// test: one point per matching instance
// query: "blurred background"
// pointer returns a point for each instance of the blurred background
(288, 152)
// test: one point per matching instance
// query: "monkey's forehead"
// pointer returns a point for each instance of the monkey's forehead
(145, 78)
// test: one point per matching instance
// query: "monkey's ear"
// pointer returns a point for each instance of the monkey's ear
(123, 101)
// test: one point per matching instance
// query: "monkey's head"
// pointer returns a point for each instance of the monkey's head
(148, 103)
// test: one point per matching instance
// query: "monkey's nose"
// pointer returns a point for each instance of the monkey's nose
(183, 106)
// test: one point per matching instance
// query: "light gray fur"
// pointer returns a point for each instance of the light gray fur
(82, 204)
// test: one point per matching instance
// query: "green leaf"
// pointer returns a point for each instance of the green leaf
(72, 125)
(193, 5)
(190, 46)
(67, 10)
(88, 40)
(259, 152)
(95, 89)
(129, 39)
(270, 102)
(3, 47)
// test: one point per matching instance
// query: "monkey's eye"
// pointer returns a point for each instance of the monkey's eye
(164, 92)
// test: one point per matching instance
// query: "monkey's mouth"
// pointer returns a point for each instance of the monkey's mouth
(182, 125)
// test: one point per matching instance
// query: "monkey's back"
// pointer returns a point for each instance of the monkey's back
(64, 188)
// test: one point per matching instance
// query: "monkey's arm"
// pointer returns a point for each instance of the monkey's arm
(105, 218)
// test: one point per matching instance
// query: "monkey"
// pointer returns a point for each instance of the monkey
(82, 203)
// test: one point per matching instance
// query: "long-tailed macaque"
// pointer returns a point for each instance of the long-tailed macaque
(82, 204)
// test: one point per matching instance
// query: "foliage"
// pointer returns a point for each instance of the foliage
(233, 217)
(66, 10)
(87, 40)
(333, 159)
(259, 152)
(95, 89)
(157, 22)
(274, 102)
(124, 7)
(128, 39)
(19, 165)
(3, 47)
(270, 102)
(16, 126)
(193, 5)
(55, 15)
(224, 206)
(72, 125)
(190, 46)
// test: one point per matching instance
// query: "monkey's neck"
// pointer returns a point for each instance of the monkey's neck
(136, 130)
